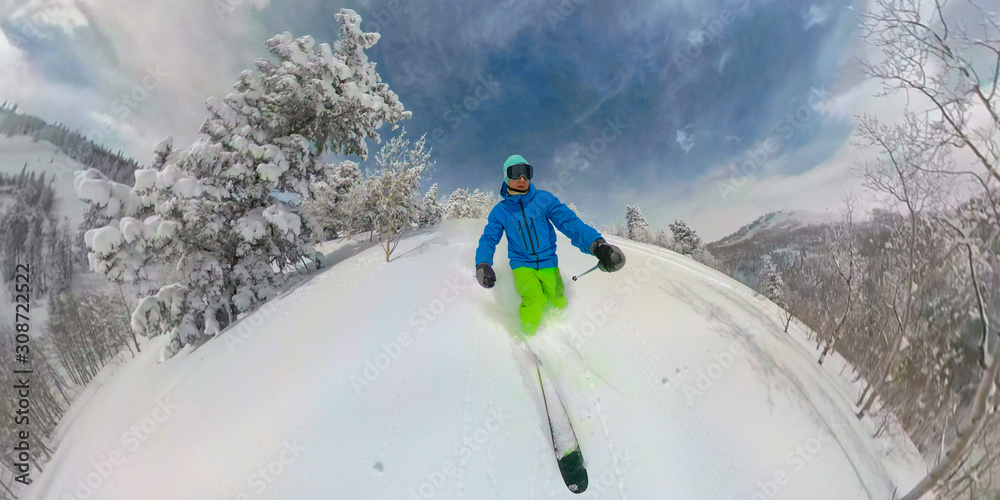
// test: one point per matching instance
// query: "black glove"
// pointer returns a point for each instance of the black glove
(485, 275)
(609, 257)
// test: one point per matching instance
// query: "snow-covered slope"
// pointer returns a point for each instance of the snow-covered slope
(780, 222)
(43, 157)
(398, 380)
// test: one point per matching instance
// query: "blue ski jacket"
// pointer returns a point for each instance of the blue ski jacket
(528, 220)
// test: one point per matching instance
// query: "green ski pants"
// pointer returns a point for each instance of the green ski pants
(538, 288)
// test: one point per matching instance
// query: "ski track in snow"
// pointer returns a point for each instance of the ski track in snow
(544, 458)
(593, 303)
(609, 441)
(393, 433)
(538, 465)
(490, 405)
(467, 403)
(678, 416)
(675, 414)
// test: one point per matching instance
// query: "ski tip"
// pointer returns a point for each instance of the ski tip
(578, 487)
(574, 472)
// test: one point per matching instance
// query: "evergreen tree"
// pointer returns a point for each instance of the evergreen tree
(458, 205)
(431, 211)
(637, 229)
(769, 281)
(332, 201)
(480, 204)
(686, 241)
(213, 203)
(661, 239)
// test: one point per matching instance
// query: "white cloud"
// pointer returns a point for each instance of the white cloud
(716, 211)
(623, 83)
(697, 37)
(725, 199)
(815, 16)
(714, 214)
(200, 47)
(685, 140)
(724, 59)
(842, 106)
(35, 16)
(821, 187)
(498, 26)
(21, 84)
(15, 69)
(122, 130)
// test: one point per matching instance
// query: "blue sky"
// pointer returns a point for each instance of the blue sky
(657, 103)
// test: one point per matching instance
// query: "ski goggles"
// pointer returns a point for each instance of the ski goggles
(515, 172)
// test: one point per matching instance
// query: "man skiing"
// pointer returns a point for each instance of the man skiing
(527, 216)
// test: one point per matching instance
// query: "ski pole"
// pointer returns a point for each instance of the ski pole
(585, 272)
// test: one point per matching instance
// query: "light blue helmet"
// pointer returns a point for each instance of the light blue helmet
(511, 161)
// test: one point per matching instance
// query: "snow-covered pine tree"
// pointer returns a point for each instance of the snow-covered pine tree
(637, 229)
(392, 189)
(123, 249)
(213, 202)
(346, 177)
(574, 209)
(431, 211)
(480, 204)
(354, 210)
(32, 235)
(458, 205)
(769, 280)
(616, 229)
(331, 203)
(686, 241)
(661, 239)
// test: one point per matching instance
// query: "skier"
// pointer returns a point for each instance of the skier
(527, 215)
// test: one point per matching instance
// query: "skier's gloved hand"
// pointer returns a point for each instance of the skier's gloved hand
(485, 275)
(609, 257)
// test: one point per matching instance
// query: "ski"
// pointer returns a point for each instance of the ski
(564, 441)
